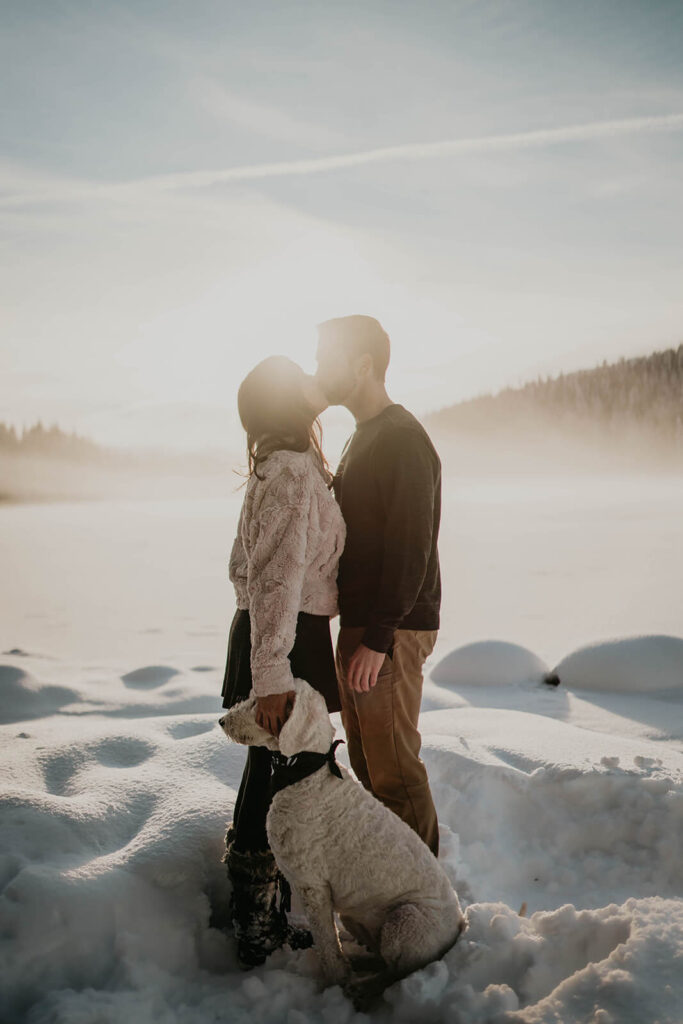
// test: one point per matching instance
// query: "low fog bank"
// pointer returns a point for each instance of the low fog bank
(535, 448)
(25, 478)
(49, 464)
(539, 445)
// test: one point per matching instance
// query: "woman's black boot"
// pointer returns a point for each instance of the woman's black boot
(259, 904)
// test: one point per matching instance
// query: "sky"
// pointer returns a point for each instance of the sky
(188, 188)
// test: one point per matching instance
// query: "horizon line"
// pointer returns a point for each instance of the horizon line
(551, 378)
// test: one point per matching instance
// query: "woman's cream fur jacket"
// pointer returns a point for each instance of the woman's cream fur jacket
(284, 559)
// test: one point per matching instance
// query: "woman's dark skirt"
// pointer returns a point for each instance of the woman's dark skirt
(312, 659)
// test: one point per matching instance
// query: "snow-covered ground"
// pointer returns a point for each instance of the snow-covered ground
(117, 781)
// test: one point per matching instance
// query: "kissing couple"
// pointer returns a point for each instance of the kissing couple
(309, 545)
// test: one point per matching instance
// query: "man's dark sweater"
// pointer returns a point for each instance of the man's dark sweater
(388, 486)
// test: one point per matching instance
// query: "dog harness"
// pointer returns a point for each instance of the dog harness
(285, 771)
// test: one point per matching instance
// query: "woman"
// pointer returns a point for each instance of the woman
(284, 569)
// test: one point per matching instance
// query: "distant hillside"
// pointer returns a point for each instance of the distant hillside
(42, 463)
(52, 441)
(642, 396)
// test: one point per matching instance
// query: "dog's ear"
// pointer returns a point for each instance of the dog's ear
(308, 726)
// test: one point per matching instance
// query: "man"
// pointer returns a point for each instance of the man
(388, 485)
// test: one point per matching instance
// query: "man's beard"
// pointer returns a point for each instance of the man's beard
(337, 391)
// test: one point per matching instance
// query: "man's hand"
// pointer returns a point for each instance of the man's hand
(273, 710)
(364, 668)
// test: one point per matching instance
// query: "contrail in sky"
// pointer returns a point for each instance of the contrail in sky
(427, 151)
(414, 151)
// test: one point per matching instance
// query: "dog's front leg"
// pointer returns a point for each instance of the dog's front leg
(317, 905)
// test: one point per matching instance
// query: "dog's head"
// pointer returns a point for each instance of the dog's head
(307, 728)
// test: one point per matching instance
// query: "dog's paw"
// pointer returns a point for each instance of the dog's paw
(364, 993)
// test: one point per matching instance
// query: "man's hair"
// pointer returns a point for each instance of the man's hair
(359, 335)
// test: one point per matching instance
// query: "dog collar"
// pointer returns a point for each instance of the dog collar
(285, 771)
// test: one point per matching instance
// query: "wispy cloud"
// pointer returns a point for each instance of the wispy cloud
(262, 119)
(18, 194)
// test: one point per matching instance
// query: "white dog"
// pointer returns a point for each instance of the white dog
(341, 849)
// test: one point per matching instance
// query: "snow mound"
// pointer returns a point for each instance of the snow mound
(489, 663)
(23, 697)
(639, 664)
(150, 676)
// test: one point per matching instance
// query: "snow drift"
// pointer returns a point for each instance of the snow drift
(115, 797)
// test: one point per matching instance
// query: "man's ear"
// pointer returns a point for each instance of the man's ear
(363, 366)
(302, 730)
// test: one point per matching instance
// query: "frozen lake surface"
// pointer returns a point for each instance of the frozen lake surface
(546, 563)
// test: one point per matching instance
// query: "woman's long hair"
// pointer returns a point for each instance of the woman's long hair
(275, 414)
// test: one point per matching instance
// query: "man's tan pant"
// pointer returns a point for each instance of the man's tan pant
(381, 728)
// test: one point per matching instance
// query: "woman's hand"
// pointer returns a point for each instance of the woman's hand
(273, 710)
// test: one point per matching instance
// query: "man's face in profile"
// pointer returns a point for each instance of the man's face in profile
(334, 374)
